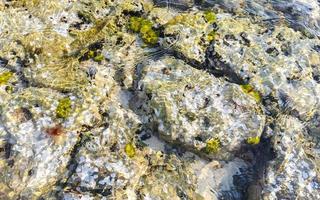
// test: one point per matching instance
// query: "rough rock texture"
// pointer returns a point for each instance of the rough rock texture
(278, 61)
(159, 100)
(295, 171)
(33, 160)
(192, 107)
(188, 34)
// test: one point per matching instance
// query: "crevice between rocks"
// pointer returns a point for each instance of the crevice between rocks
(72, 164)
(258, 156)
(212, 64)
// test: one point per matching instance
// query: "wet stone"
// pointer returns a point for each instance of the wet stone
(159, 99)
(180, 111)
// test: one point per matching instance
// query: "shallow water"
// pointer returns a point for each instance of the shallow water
(158, 99)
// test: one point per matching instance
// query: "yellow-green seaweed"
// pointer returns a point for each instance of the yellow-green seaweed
(150, 37)
(211, 36)
(130, 150)
(213, 145)
(98, 58)
(91, 54)
(210, 16)
(251, 91)
(5, 77)
(253, 140)
(64, 108)
(144, 27)
(9, 89)
(135, 24)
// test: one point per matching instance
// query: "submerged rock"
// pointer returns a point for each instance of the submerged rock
(191, 107)
(153, 99)
(277, 61)
(189, 33)
(295, 171)
(179, 4)
(33, 159)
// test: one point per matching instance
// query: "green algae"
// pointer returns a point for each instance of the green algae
(210, 16)
(191, 116)
(87, 17)
(211, 36)
(37, 96)
(213, 145)
(145, 28)
(98, 58)
(64, 108)
(251, 91)
(5, 77)
(58, 70)
(130, 150)
(26, 3)
(253, 140)
(83, 38)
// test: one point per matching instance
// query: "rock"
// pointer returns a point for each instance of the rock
(295, 171)
(33, 159)
(152, 99)
(216, 180)
(277, 61)
(180, 4)
(191, 107)
(188, 33)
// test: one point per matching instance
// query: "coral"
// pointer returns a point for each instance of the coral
(188, 30)
(131, 90)
(64, 108)
(179, 108)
